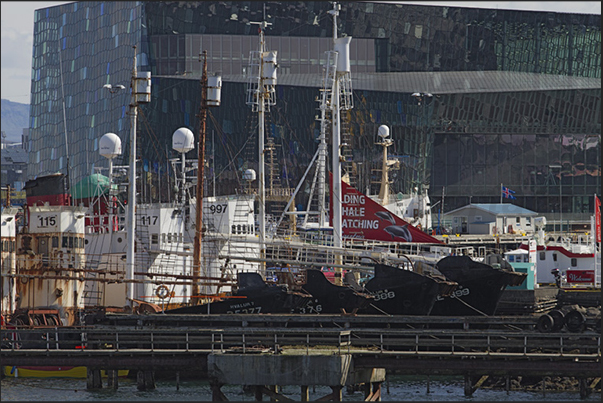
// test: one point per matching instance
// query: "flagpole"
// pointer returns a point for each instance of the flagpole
(501, 187)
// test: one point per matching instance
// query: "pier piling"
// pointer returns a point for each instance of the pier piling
(112, 379)
(93, 379)
(145, 380)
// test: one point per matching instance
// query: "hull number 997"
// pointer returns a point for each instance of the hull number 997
(217, 208)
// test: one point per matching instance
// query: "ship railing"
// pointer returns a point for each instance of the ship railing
(433, 342)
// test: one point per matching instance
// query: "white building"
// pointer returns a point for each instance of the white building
(504, 218)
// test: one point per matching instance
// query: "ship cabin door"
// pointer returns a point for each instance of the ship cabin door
(43, 249)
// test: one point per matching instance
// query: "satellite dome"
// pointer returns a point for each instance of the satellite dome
(383, 131)
(109, 145)
(183, 140)
(249, 175)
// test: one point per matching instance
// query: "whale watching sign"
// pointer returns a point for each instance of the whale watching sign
(363, 218)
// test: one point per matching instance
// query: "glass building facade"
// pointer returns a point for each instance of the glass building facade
(516, 95)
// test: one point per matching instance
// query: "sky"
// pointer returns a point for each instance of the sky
(18, 17)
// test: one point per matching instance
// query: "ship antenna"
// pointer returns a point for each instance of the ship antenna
(67, 168)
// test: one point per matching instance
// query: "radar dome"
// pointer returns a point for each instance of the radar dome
(109, 145)
(249, 175)
(383, 131)
(183, 140)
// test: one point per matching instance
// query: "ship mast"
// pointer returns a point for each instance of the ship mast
(260, 95)
(208, 98)
(200, 182)
(341, 98)
(385, 142)
(140, 85)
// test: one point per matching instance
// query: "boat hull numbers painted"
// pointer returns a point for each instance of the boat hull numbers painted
(460, 292)
(217, 208)
(384, 294)
(148, 220)
(47, 221)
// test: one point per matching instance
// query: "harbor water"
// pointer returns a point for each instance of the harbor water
(396, 388)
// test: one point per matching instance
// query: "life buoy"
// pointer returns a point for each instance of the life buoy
(162, 291)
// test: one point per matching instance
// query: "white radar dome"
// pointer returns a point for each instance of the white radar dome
(383, 131)
(183, 140)
(109, 145)
(249, 175)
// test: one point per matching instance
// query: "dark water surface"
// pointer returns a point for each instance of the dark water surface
(401, 388)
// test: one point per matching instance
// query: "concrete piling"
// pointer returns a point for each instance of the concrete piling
(259, 370)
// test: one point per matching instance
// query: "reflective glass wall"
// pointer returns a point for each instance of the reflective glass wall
(78, 48)
(229, 54)
(466, 143)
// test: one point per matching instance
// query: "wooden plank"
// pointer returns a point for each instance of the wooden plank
(274, 395)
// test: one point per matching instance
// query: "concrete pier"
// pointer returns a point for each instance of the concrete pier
(265, 372)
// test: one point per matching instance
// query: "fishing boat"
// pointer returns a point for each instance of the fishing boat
(10, 216)
(329, 298)
(252, 295)
(480, 285)
(414, 208)
(354, 228)
(53, 372)
(49, 260)
(569, 260)
(398, 291)
(43, 271)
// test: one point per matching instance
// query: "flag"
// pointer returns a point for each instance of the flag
(597, 219)
(507, 193)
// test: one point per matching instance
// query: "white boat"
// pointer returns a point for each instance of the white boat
(569, 261)
(163, 259)
(43, 264)
(9, 260)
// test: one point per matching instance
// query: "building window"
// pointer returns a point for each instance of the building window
(574, 262)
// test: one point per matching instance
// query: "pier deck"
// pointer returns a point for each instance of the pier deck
(471, 347)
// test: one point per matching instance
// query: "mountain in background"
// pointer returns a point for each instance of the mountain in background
(15, 117)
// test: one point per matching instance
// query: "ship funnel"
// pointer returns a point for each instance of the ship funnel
(183, 140)
(109, 146)
(342, 47)
(214, 90)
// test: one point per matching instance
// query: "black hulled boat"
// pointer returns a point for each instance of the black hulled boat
(252, 296)
(405, 292)
(480, 285)
(331, 298)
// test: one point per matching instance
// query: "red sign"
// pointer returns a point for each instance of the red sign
(363, 218)
(597, 219)
(580, 276)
